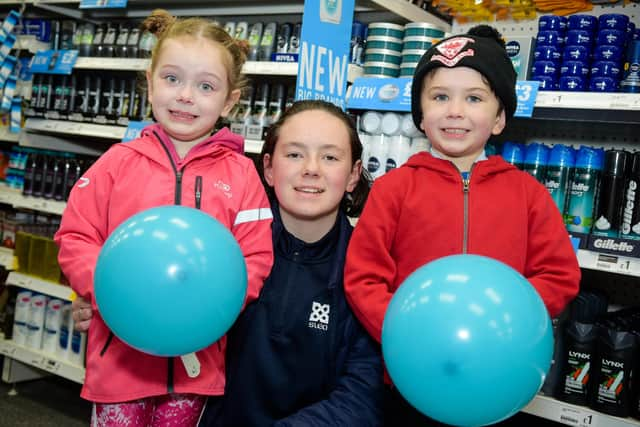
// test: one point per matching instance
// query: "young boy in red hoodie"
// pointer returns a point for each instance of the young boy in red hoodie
(455, 199)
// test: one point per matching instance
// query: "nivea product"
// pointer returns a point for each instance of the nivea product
(576, 53)
(572, 83)
(548, 53)
(631, 78)
(611, 194)
(377, 161)
(535, 160)
(586, 177)
(282, 38)
(582, 22)
(550, 38)
(611, 36)
(552, 22)
(630, 223)
(558, 174)
(399, 150)
(616, 21)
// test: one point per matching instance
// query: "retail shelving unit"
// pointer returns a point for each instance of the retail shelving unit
(553, 121)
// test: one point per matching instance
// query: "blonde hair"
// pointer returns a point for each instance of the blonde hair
(165, 26)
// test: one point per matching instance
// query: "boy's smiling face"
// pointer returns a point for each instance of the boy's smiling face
(460, 112)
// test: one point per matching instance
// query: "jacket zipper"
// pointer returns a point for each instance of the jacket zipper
(177, 201)
(466, 184)
(198, 191)
(178, 173)
(106, 344)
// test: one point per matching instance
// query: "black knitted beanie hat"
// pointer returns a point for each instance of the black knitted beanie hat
(482, 49)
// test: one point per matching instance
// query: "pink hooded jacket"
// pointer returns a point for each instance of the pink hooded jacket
(130, 177)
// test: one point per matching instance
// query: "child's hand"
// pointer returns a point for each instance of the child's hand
(82, 314)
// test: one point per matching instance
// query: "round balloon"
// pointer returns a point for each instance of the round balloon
(170, 280)
(467, 340)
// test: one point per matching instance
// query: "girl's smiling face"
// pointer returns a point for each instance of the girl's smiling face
(188, 88)
(311, 168)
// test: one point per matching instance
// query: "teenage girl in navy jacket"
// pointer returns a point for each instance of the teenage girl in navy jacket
(297, 356)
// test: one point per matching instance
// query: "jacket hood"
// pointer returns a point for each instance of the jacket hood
(154, 143)
(493, 164)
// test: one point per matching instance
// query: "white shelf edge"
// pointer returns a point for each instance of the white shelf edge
(574, 415)
(268, 68)
(610, 263)
(75, 128)
(589, 100)
(45, 361)
(5, 135)
(412, 13)
(253, 146)
(39, 285)
(17, 200)
(124, 64)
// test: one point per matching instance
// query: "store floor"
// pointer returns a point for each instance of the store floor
(55, 402)
(51, 401)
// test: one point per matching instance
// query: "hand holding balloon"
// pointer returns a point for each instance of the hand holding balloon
(467, 340)
(170, 280)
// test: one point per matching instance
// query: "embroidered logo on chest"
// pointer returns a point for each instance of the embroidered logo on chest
(319, 318)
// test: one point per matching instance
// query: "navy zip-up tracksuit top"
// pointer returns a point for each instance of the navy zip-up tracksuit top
(297, 356)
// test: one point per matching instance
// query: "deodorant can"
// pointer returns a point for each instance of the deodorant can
(558, 176)
(611, 194)
(513, 152)
(579, 214)
(535, 160)
(630, 224)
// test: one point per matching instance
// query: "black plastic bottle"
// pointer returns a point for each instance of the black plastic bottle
(53, 173)
(29, 173)
(62, 177)
(39, 174)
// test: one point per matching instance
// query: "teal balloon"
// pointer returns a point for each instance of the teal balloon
(467, 340)
(170, 280)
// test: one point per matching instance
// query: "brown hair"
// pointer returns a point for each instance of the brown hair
(352, 203)
(165, 26)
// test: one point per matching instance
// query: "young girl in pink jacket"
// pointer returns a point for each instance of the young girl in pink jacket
(193, 80)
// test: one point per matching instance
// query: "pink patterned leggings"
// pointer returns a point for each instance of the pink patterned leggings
(171, 410)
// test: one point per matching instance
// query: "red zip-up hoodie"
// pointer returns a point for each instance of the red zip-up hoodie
(215, 177)
(424, 210)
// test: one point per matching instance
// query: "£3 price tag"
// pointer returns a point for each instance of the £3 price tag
(526, 92)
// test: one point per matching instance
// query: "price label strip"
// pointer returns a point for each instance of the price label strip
(526, 92)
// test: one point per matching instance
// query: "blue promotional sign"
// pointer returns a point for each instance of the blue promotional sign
(102, 4)
(324, 50)
(527, 92)
(133, 130)
(53, 61)
(388, 94)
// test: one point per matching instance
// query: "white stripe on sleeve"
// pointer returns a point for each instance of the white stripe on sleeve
(253, 215)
